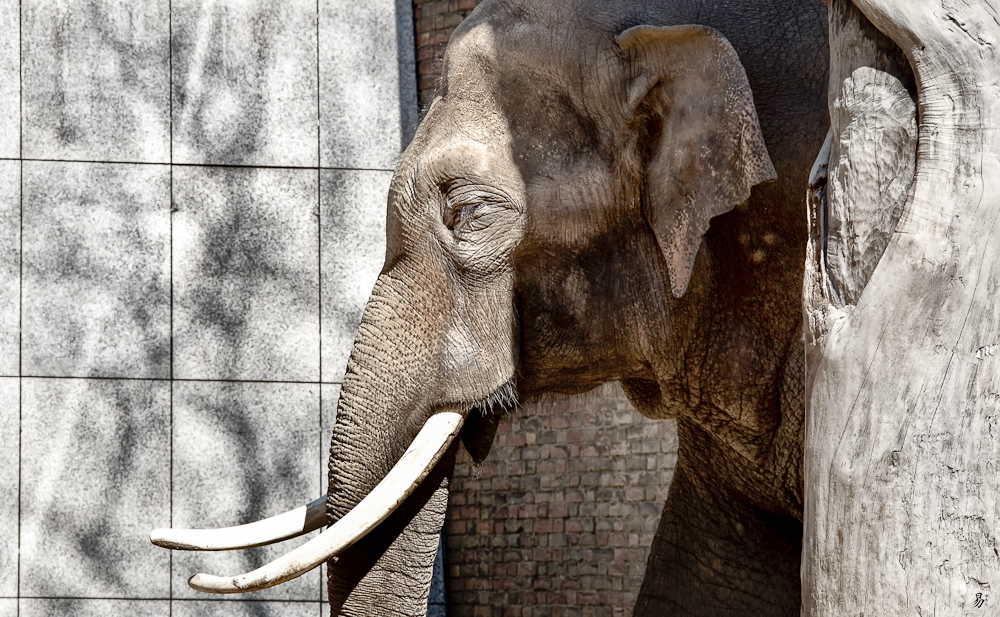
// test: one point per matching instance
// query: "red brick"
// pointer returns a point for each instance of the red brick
(635, 493)
(558, 510)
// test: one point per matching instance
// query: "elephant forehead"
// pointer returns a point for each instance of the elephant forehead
(470, 62)
(478, 63)
(464, 156)
(467, 108)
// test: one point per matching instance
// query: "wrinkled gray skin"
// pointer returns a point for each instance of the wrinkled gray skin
(541, 229)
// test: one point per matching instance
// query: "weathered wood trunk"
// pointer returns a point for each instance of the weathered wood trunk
(903, 316)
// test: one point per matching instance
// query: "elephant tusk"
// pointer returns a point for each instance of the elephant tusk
(299, 521)
(416, 463)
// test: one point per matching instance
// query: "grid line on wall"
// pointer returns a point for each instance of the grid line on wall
(206, 599)
(20, 288)
(171, 164)
(319, 263)
(170, 216)
(176, 380)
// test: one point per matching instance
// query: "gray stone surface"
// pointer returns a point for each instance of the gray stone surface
(138, 274)
(94, 608)
(9, 451)
(96, 80)
(10, 265)
(246, 280)
(96, 462)
(243, 608)
(244, 82)
(10, 82)
(361, 116)
(353, 251)
(96, 285)
(243, 452)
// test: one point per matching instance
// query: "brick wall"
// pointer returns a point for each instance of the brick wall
(559, 519)
(434, 21)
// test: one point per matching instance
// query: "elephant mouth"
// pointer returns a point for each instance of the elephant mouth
(484, 418)
(426, 449)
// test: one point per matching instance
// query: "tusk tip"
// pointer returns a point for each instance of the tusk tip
(167, 538)
(159, 537)
(208, 583)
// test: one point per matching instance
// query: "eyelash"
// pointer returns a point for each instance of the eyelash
(460, 215)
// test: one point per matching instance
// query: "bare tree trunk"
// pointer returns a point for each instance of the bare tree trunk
(903, 313)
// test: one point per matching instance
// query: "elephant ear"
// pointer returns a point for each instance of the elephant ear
(700, 138)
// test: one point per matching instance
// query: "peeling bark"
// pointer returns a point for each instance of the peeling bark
(902, 437)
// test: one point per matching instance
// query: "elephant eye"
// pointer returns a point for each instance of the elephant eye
(464, 204)
(470, 208)
(461, 216)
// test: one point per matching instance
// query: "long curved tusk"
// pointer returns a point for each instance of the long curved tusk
(297, 522)
(415, 464)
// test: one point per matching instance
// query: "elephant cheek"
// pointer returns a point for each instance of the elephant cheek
(480, 357)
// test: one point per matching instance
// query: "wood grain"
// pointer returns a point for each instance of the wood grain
(902, 437)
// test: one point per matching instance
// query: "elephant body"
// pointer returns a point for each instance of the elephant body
(593, 196)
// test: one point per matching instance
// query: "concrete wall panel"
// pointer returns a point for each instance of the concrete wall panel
(10, 266)
(95, 463)
(244, 608)
(96, 80)
(10, 82)
(243, 452)
(246, 274)
(10, 448)
(96, 288)
(94, 608)
(364, 102)
(353, 250)
(244, 82)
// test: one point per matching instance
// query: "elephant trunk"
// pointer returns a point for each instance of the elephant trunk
(386, 396)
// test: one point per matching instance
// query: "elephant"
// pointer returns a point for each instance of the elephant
(599, 191)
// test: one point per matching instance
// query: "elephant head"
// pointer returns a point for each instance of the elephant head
(545, 233)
